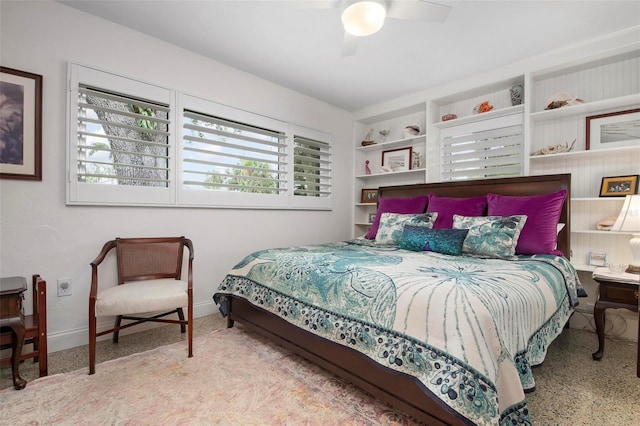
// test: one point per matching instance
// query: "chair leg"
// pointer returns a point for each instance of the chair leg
(116, 334)
(181, 316)
(92, 345)
(190, 324)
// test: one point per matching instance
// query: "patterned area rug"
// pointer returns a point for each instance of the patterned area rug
(235, 377)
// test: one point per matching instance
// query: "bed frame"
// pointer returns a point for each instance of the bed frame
(398, 389)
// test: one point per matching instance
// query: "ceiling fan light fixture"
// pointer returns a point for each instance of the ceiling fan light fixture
(363, 18)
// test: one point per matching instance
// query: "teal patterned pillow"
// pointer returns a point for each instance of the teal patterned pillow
(445, 241)
(392, 225)
(492, 236)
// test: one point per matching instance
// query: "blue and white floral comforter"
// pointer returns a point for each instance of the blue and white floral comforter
(468, 328)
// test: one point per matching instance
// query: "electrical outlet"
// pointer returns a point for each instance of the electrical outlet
(64, 287)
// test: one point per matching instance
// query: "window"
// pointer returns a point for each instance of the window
(120, 140)
(130, 145)
(492, 148)
(232, 157)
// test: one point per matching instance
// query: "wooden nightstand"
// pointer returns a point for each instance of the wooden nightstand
(12, 317)
(615, 291)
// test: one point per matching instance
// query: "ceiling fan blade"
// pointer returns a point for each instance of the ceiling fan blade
(315, 4)
(350, 44)
(418, 10)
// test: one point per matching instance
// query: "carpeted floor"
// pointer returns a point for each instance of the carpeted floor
(572, 389)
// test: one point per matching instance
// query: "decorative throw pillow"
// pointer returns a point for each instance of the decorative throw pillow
(396, 205)
(492, 236)
(447, 207)
(445, 241)
(392, 225)
(540, 233)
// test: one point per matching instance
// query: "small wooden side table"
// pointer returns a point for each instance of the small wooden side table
(12, 316)
(612, 293)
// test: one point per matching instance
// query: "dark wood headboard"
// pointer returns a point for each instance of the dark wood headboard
(515, 186)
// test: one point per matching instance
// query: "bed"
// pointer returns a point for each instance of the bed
(445, 336)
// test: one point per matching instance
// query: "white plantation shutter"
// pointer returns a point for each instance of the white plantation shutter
(232, 157)
(312, 167)
(224, 155)
(131, 154)
(492, 148)
(120, 142)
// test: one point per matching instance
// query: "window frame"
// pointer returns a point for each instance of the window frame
(175, 194)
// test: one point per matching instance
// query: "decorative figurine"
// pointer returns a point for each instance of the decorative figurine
(367, 170)
(384, 134)
(517, 94)
(416, 160)
(368, 138)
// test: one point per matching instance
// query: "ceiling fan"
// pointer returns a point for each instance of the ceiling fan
(362, 18)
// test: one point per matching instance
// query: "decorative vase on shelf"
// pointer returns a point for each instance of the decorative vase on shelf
(517, 94)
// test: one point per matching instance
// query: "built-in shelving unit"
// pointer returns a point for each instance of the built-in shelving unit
(395, 123)
(606, 81)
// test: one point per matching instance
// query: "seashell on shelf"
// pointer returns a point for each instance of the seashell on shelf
(606, 224)
(556, 149)
(560, 100)
(411, 130)
(483, 107)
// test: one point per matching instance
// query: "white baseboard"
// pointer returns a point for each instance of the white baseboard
(78, 337)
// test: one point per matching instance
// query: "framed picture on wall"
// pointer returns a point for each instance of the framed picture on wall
(613, 129)
(619, 186)
(20, 125)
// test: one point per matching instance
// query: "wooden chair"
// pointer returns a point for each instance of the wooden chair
(149, 281)
(35, 329)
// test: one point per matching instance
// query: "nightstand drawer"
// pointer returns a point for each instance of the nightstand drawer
(616, 293)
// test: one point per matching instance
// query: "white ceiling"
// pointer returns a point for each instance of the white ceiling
(299, 47)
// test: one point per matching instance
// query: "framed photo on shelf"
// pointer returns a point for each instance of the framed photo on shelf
(619, 186)
(597, 259)
(369, 196)
(21, 126)
(613, 129)
(398, 160)
(371, 217)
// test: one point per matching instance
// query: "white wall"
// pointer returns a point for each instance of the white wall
(39, 234)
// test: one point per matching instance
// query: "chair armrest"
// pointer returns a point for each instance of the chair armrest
(189, 244)
(94, 267)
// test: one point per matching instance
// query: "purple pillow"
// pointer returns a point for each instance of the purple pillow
(396, 205)
(448, 206)
(540, 233)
